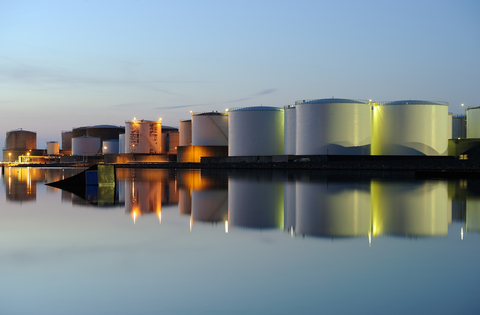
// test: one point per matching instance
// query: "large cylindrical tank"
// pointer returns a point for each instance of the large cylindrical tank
(79, 132)
(210, 129)
(410, 128)
(143, 136)
(86, 146)
(255, 131)
(121, 143)
(185, 129)
(105, 132)
(110, 147)
(333, 209)
(409, 208)
(21, 139)
(255, 204)
(53, 148)
(290, 137)
(67, 140)
(473, 122)
(333, 126)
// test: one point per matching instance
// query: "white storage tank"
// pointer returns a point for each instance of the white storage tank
(185, 130)
(110, 147)
(53, 148)
(143, 136)
(333, 126)
(333, 209)
(473, 122)
(255, 131)
(210, 129)
(290, 133)
(255, 204)
(410, 128)
(121, 143)
(86, 146)
(409, 208)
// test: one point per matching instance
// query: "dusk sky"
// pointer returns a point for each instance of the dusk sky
(66, 64)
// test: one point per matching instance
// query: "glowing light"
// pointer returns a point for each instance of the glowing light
(226, 226)
(461, 233)
(159, 214)
(226, 109)
(105, 147)
(463, 104)
(134, 216)
(369, 239)
(134, 119)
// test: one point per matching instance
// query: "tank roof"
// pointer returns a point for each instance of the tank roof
(255, 108)
(414, 102)
(331, 101)
(20, 130)
(209, 114)
(107, 126)
(476, 107)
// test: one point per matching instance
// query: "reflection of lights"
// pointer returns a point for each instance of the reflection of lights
(226, 226)
(134, 216)
(369, 239)
(159, 214)
(292, 232)
(191, 223)
(461, 233)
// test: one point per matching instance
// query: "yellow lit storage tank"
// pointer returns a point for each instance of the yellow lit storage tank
(410, 128)
(473, 122)
(143, 136)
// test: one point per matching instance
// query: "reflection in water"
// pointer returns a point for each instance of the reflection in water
(330, 208)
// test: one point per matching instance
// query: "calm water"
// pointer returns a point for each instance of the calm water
(192, 242)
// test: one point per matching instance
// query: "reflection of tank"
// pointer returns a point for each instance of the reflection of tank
(334, 209)
(143, 197)
(410, 128)
(210, 129)
(20, 139)
(184, 201)
(210, 205)
(290, 200)
(86, 146)
(255, 204)
(333, 126)
(290, 130)
(409, 208)
(143, 136)
(473, 214)
(185, 130)
(121, 143)
(256, 131)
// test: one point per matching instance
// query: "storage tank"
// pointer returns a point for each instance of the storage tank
(79, 132)
(110, 147)
(53, 148)
(86, 146)
(333, 126)
(459, 127)
(255, 131)
(210, 129)
(121, 143)
(290, 130)
(473, 122)
(255, 204)
(410, 128)
(143, 136)
(185, 129)
(410, 208)
(21, 139)
(67, 140)
(105, 132)
(333, 209)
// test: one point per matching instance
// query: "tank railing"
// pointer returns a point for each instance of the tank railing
(251, 108)
(331, 100)
(289, 106)
(413, 102)
(473, 107)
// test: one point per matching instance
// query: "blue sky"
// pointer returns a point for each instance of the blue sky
(66, 64)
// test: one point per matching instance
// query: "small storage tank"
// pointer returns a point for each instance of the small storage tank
(410, 128)
(409, 208)
(473, 122)
(333, 126)
(21, 139)
(143, 136)
(185, 129)
(255, 131)
(110, 147)
(255, 204)
(290, 130)
(210, 129)
(86, 146)
(459, 127)
(121, 143)
(53, 148)
(67, 140)
(333, 209)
